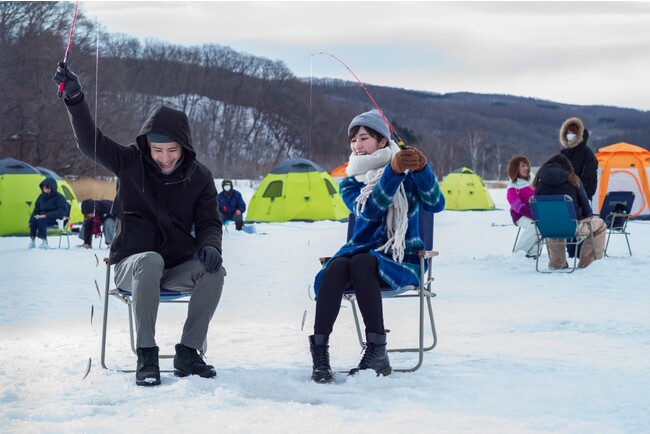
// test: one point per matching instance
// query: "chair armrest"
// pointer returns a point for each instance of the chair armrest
(324, 259)
(426, 254)
(61, 222)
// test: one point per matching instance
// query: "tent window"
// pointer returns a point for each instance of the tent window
(67, 193)
(273, 190)
(330, 188)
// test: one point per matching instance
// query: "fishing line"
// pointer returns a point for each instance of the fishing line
(95, 114)
(398, 140)
(311, 86)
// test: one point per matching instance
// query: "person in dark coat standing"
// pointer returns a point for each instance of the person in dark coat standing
(50, 206)
(162, 192)
(556, 177)
(231, 204)
(97, 220)
(574, 137)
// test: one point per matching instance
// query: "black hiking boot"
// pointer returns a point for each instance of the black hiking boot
(322, 372)
(187, 361)
(147, 372)
(375, 356)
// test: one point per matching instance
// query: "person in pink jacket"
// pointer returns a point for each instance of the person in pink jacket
(518, 193)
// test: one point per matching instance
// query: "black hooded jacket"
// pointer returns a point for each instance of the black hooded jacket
(154, 211)
(555, 180)
(583, 160)
(53, 205)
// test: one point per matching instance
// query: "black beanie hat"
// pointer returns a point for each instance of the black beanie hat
(87, 206)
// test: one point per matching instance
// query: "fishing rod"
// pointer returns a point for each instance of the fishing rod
(398, 139)
(67, 50)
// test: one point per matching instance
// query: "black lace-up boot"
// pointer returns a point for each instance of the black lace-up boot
(375, 356)
(187, 361)
(147, 372)
(319, 348)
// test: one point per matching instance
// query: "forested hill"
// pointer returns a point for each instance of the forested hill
(248, 113)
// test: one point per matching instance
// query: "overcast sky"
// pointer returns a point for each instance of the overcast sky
(570, 52)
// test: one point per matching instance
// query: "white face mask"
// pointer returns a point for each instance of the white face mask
(227, 188)
(570, 136)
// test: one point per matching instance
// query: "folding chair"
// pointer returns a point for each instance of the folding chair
(166, 296)
(423, 292)
(615, 211)
(555, 218)
(61, 230)
(516, 239)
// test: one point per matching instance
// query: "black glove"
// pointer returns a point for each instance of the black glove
(65, 75)
(211, 258)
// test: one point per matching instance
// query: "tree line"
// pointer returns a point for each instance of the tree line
(248, 113)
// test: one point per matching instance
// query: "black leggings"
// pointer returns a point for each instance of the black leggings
(360, 273)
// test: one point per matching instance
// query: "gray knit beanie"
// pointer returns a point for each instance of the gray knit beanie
(372, 119)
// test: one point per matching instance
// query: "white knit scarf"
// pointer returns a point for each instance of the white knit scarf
(369, 169)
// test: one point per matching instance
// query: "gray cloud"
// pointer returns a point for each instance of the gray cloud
(573, 52)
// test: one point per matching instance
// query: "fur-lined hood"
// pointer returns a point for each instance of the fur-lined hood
(580, 136)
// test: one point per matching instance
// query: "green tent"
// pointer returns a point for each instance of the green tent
(18, 191)
(297, 189)
(464, 190)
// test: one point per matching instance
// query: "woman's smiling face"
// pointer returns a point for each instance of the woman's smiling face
(362, 143)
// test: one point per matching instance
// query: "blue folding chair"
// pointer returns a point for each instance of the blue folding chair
(423, 292)
(555, 218)
(615, 211)
(166, 296)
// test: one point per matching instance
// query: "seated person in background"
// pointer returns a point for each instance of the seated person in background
(50, 206)
(231, 205)
(97, 218)
(518, 192)
(556, 176)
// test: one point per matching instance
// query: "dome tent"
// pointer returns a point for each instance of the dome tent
(296, 190)
(624, 167)
(19, 188)
(464, 190)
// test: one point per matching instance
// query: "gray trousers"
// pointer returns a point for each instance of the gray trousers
(144, 274)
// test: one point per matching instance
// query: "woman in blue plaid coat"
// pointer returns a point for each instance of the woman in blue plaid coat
(384, 189)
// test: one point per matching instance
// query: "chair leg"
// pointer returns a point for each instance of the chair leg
(105, 320)
(132, 327)
(609, 234)
(356, 320)
(516, 239)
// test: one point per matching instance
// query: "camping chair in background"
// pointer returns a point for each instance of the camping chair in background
(423, 292)
(555, 218)
(61, 230)
(615, 211)
(166, 296)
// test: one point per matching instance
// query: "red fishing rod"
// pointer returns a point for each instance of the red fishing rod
(398, 140)
(67, 50)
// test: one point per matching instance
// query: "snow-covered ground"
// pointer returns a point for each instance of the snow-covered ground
(518, 351)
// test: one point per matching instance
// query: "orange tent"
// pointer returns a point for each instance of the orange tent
(339, 172)
(624, 167)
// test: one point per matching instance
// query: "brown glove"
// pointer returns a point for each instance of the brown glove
(408, 159)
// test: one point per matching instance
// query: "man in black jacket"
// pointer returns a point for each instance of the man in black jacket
(162, 191)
